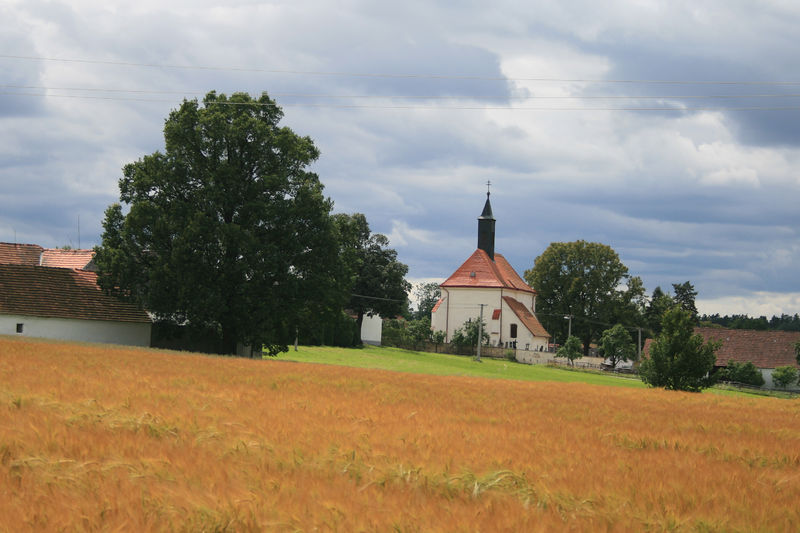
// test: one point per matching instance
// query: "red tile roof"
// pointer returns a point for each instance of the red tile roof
(765, 349)
(436, 306)
(496, 314)
(58, 258)
(60, 293)
(481, 272)
(527, 318)
(20, 254)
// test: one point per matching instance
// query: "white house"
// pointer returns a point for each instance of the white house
(66, 304)
(486, 279)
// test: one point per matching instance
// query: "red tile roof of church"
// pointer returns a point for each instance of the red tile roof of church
(487, 274)
(60, 293)
(765, 349)
(526, 317)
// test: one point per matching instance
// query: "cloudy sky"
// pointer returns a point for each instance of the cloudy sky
(667, 130)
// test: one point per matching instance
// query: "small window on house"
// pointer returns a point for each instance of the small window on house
(19, 328)
(513, 331)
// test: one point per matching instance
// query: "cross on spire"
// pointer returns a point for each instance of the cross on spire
(488, 184)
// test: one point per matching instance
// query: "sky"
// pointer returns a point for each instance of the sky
(668, 130)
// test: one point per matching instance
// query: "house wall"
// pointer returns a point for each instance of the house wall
(129, 333)
(371, 330)
(768, 384)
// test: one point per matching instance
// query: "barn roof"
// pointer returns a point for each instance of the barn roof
(765, 349)
(480, 271)
(60, 293)
(59, 258)
(20, 254)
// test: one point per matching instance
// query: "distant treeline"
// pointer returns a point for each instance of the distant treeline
(776, 323)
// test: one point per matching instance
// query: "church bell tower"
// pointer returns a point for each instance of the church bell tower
(486, 228)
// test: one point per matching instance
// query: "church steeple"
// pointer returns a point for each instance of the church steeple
(486, 227)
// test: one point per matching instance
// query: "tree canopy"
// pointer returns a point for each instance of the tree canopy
(616, 345)
(571, 349)
(679, 359)
(586, 280)
(377, 278)
(227, 228)
(426, 294)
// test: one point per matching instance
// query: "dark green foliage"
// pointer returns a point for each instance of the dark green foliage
(616, 345)
(797, 351)
(467, 335)
(679, 360)
(227, 229)
(334, 329)
(584, 279)
(746, 373)
(376, 278)
(777, 323)
(660, 302)
(783, 376)
(571, 350)
(684, 298)
(427, 294)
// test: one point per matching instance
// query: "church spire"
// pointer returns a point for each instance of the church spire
(486, 227)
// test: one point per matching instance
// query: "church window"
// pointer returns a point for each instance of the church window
(513, 331)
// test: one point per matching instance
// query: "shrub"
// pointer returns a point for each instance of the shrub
(783, 376)
(571, 349)
(746, 373)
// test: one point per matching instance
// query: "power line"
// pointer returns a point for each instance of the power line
(401, 75)
(430, 107)
(424, 97)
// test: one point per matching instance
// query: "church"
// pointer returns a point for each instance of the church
(487, 279)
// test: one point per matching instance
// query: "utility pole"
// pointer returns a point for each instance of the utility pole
(480, 334)
(639, 345)
(569, 327)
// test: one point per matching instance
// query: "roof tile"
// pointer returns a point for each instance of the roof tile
(765, 349)
(61, 293)
(20, 254)
(481, 272)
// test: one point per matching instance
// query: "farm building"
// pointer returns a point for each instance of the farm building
(66, 304)
(767, 350)
(487, 279)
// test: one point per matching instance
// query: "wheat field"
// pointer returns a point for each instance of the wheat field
(101, 438)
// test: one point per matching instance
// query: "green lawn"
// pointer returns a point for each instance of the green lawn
(441, 364)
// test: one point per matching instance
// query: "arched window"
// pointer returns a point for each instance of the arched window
(513, 331)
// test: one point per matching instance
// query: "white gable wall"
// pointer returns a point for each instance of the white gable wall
(69, 329)
(460, 304)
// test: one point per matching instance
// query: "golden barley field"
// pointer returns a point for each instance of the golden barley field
(98, 438)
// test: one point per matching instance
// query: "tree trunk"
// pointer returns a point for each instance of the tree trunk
(228, 340)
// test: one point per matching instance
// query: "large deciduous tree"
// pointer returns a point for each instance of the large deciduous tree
(227, 228)
(679, 359)
(588, 281)
(377, 278)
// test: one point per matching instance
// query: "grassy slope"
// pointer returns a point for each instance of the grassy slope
(447, 365)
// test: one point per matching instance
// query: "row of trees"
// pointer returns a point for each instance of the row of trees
(228, 230)
(585, 287)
